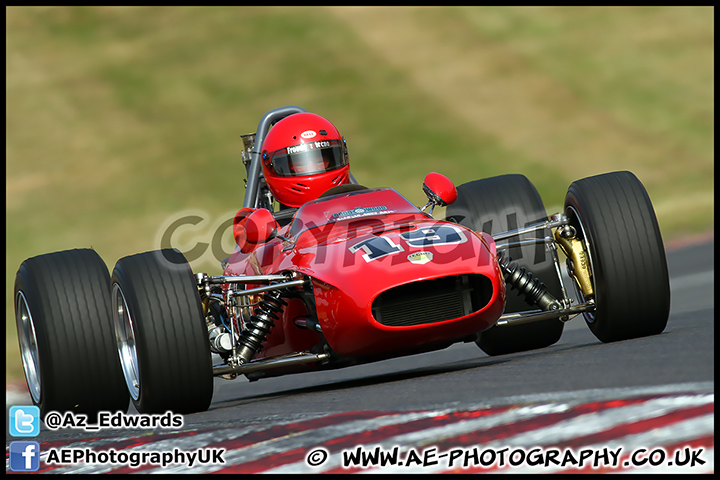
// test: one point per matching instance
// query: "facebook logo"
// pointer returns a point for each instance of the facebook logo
(24, 421)
(24, 456)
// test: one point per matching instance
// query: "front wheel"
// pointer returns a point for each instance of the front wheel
(614, 217)
(161, 333)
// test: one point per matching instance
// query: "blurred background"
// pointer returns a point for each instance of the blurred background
(120, 120)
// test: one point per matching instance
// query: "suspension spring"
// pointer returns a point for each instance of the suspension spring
(518, 278)
(260, 325)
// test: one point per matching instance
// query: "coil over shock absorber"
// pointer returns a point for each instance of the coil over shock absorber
(523, 281)
(260, 325)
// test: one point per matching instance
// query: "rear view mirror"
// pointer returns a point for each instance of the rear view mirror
(252, 227)
(260, 226)
(440, 191)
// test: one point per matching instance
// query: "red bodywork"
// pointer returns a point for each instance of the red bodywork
(387, 279)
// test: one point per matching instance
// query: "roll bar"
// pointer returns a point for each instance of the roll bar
(254, 170)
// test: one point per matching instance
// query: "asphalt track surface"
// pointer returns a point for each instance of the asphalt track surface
(652, 395)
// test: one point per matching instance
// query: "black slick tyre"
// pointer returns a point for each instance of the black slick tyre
(614, 216)
(499, 204)
(64, 323)
(162, 336)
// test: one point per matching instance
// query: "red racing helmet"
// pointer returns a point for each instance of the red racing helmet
(303, 156)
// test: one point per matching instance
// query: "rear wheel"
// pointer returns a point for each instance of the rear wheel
(161, 333)
(499, 204)
(64, 324)
(613, 215)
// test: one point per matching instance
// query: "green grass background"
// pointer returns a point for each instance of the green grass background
(121, 118)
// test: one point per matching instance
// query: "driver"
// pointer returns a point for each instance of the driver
(303, 156)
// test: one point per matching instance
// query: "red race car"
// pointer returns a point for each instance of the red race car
(353, 275)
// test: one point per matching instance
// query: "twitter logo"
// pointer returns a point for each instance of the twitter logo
(24, 421)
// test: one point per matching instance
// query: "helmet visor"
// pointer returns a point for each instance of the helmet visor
(308, 158)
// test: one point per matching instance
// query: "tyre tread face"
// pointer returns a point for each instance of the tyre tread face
(498, 204)
(68, 295)
(171, 338)
(630, 268)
